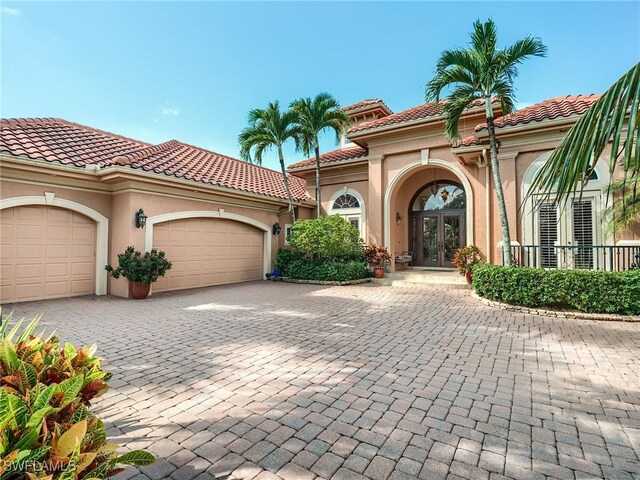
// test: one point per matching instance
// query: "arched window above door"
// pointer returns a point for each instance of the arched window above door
(439, 196)
(349, 204)
(345, 201)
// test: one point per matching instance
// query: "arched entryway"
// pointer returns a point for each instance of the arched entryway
(437, 223)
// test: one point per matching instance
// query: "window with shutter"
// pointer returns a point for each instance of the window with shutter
(548, 230)
(583, 233)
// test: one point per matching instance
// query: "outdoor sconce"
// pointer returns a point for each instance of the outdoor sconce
(276, 229)
(399, 218)
(141, 219)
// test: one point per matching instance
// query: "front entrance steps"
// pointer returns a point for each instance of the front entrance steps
(422, 277)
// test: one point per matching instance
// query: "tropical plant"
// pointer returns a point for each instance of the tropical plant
(314, 116)
(46, 428)
(465, 258)
(269, 128)
(326, 238)
(136, 267)
(377, 255)
(481, 73)
(613, 123)
(624, 211)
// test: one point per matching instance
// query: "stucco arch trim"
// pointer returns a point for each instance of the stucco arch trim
(102, 228)
(410, 169)
(167, 217)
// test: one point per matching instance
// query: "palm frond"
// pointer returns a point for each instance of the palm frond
(613, 120)
(460, 99)
(624, 211)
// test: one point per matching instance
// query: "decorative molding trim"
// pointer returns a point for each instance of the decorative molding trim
(102, 228)
(628, 243)
(409, 169)
(220, 213)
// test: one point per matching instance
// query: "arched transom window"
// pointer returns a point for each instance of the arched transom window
(350, 206)
(346, 201)
(440, 196)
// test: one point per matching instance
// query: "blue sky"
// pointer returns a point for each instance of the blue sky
(192, 70)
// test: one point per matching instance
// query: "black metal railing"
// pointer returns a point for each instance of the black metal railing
(612, 258)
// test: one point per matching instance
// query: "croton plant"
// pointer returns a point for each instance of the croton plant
(47, 430)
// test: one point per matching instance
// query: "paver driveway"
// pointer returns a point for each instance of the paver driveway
(266, 380)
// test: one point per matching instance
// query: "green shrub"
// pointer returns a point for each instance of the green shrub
(46, 428)
(136, 267)
(304, 269)
(327, 238)
(590, 291)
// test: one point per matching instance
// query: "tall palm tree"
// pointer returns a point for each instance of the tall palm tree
(267, 129)
(480, 72)
(314, 116)
(614, 121)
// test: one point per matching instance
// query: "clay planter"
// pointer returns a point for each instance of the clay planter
(378, 272)
(138, 290)
(469, 277)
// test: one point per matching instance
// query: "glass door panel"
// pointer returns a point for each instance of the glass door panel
(451, 232)
(430, 240)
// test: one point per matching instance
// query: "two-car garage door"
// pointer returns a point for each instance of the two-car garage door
(208, 251)
(45, 252)
(50, 252)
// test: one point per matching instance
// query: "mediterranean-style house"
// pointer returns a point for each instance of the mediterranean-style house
(404, 185)
(73, 197)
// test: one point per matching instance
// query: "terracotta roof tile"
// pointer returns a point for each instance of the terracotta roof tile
(60, 141)
(369, 102)
(335, 156)
(425, 110)
(546, 110)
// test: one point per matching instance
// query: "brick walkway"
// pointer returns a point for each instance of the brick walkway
(273, 381)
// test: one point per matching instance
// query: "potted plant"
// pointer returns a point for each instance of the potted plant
(377, 256)
(465, 258)
(141, 270)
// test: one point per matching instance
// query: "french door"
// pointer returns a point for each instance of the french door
(436, 236)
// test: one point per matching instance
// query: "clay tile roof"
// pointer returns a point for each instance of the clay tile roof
(367, 103)
(425, 110)
(335, 156)
(60, 141)
(470, 141)
(547, 110)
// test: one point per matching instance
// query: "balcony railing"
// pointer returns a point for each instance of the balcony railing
(610, 258)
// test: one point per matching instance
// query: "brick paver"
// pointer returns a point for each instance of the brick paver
(279, 381)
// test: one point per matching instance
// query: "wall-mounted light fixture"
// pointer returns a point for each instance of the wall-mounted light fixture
(276, 229)
(141, 219)
(399, 218)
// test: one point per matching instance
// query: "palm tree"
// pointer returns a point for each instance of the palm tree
(269, 128)
(614, 120)
(314, 116)
(483, 72)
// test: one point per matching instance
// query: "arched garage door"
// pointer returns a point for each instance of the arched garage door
(45, 252)
(208, 251)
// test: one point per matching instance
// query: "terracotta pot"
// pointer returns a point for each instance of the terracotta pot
(469, 277)
(378, 272)
(138, 290)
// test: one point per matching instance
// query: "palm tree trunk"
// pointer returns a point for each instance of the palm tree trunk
(285, 179)
(495, 170)
(318, 199)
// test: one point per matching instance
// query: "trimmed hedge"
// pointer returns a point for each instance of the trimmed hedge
(295, 265)
(591, 291)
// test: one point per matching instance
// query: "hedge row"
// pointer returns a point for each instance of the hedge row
(591, 291)
(294, 265)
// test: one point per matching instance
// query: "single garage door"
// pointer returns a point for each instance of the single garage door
(45, 252)
(208, 251)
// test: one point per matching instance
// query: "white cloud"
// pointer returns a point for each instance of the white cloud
(11, 11)
(169, 111)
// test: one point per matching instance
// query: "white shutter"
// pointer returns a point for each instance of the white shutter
(548, 232)
(583, 233)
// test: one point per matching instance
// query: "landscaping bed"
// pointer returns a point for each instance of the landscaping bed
(588, 291)
(321, 282)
